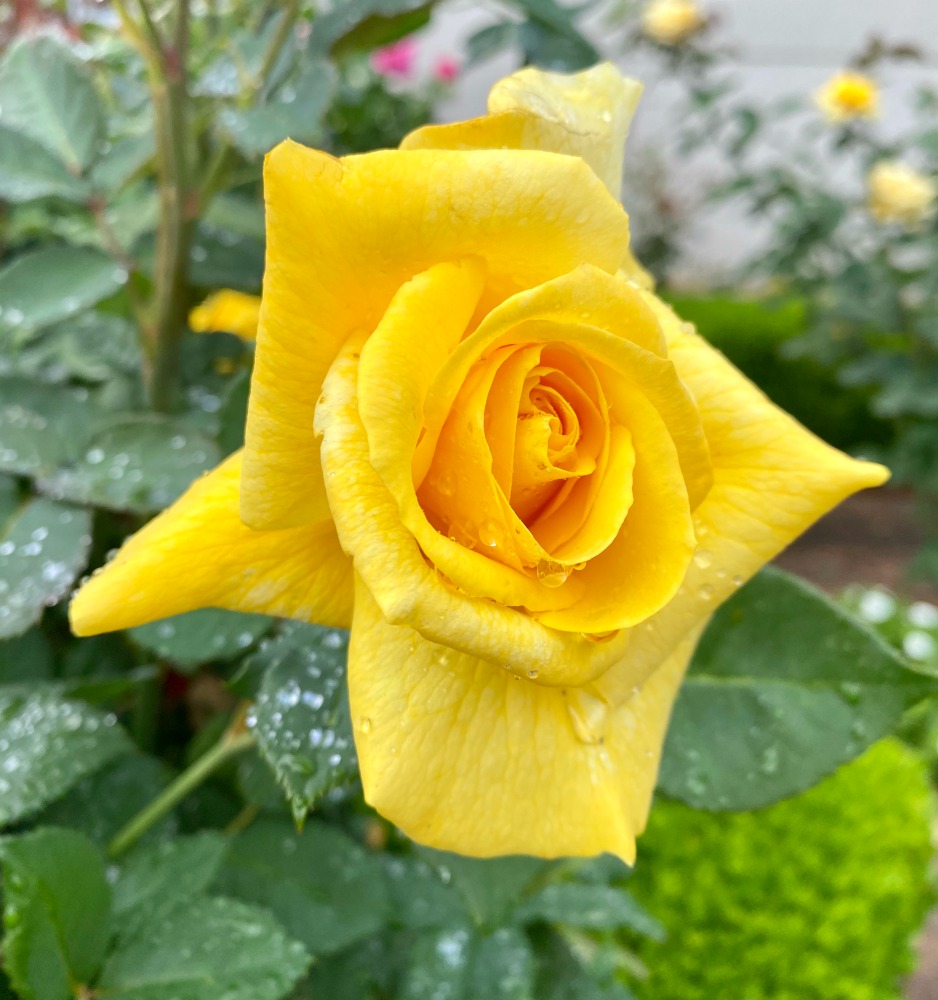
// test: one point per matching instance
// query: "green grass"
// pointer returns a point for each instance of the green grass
(815, 898)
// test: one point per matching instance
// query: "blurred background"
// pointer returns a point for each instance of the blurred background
(782, 184)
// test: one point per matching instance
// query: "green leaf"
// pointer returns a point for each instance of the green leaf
(207, 949)
(27, 658)
(56, 912)
(784, 688)
(301, 713)
(592, 907)
(48, 96)
(232, 416)
(41, 426)
(491, 887)
(125, 159)
(420, 899)
(201, 636)
(565, 973)
(296, 112)
(363, 24)
(163, 875)
(439, 966)
(90, 347)
(140, 465)
(325, 889)
(100, 804)
(28, 171)
(45, 286)
(50, 744)
(9, 498)
(461, 965)
(502, 967)
(44, 548)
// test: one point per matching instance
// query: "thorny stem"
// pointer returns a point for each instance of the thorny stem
(235, 740)
(167, 77)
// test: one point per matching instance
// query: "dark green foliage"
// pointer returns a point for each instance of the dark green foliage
(816, 897)
(753, 335)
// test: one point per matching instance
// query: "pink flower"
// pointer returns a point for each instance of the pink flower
(395, 60)
(446, 69)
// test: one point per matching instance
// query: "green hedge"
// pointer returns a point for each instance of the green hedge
(816, 898)
(752, 333)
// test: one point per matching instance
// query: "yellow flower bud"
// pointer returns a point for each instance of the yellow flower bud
(227, 311)
(671, 22)
(899, 193)
(848, 95)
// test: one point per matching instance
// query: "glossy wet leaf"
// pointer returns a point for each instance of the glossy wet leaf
(301, 713)
(125, 159)
(48, 744)
(139, 465)
(43, 549)
(162, 875)
(91, 347)
(40, 425)
(420, 899)
(461, 964)
(56, 912)
(295, 112)
(28, 171)
(206, 949)
(784, 688)
(48, 96)
(325, 889)
(104, 801)
(491, 887)
(45, 286)
(201, 636)
(592, 907)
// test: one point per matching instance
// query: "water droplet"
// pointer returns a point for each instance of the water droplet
(769, 763)
(533, 674)
(851, 691)
(551, 573)
(705, 593)
(446, 484)
(703, 558)
(491, 535)
(364, 724)
(737, 580)
(589, 716)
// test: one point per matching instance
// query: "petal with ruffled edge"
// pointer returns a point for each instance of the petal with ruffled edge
(465, 757)
(584, 114)
(344, 235)
(772, 480)
(198, 554)
(407, 587)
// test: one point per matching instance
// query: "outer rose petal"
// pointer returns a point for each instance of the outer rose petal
(772, 480)
(198, 554)
(581, 114)
(467, 758)
(344, 235)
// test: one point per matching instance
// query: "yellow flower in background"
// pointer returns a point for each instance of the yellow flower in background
(900, 193)
(848, 95)
(478, 440)
(671, 22)
(227, 311)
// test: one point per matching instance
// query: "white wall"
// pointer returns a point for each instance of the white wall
(783, 47)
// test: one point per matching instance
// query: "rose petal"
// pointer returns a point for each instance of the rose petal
(198, 554)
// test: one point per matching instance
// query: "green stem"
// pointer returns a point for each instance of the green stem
(169, 91)
(230, 745)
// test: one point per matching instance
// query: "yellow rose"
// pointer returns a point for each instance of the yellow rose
(848, 95)
(670, 22)
(477, 439)
(228, 311)
(899, 193)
